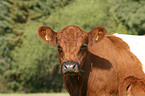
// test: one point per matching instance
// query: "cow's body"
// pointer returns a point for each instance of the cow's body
(95, 70)
(108, 62)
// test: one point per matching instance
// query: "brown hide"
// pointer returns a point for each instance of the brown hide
(105, 60)
(132, 86)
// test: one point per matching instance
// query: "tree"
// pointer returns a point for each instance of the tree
(131, 13)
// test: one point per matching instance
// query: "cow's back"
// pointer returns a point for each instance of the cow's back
(136, 44)
(127, 63)
(118, 53)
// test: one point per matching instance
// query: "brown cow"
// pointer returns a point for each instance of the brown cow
(93, 63)
(132, 86)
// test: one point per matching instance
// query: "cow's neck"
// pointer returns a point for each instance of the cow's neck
(78, 84)
(73, 84)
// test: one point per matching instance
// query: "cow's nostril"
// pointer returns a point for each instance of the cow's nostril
(65, 67)
(74, 67)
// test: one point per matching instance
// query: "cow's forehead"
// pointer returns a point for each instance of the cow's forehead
(71, 35)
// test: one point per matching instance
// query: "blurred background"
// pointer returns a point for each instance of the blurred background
(28, 65)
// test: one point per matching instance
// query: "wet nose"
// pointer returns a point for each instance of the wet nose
(70, 67)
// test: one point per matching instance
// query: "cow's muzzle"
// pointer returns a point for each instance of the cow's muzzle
(70, 67)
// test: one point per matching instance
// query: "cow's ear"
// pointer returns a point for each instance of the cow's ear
(98, 33)
(47, 34)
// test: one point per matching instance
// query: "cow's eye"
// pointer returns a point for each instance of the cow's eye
(59, 48)
(84, 46)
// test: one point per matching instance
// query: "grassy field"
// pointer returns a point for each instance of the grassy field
(37, 94)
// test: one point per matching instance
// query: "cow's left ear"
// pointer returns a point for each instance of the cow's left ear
(47, 34)
(98, 33)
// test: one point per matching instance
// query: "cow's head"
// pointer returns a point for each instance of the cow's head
(72, 43)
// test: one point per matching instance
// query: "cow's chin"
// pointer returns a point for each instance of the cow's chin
(71, 73)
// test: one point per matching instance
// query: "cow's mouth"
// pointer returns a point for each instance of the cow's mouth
(71, 74)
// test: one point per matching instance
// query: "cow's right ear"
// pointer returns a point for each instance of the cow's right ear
(47, 34)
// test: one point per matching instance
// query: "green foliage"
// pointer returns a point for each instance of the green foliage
(131, 13)
(13, 20)
(87, 15)
(32, 69)
(82, 13)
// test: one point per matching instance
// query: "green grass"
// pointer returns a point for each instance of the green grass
(37, 94)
